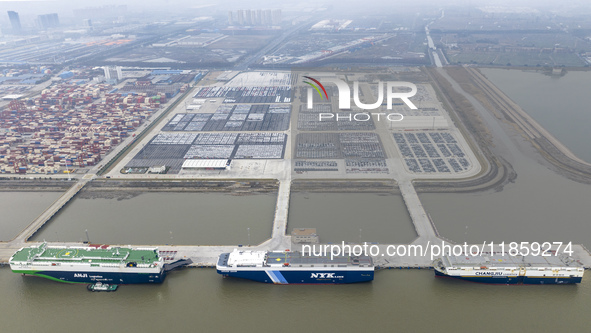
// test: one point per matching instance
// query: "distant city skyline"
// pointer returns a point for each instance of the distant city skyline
(48, 21)
(254, 17)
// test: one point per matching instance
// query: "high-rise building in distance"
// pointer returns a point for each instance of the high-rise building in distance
(15, 21)
(247, 17)
(240, 17)
(88, 24)
(255, 17)
(276, 17)
(113, 73)
(48, 21)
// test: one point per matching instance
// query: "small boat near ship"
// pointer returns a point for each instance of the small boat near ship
(99, 286)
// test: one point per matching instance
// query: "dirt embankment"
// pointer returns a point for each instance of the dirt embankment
(496, 171)
(125, 189)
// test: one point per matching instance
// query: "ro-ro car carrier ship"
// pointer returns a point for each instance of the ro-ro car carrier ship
(90, 264)
(294, 268)
(506, 269)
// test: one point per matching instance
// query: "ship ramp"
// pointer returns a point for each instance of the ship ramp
(177, 264)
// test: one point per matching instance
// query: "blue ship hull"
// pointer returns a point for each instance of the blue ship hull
(105, 277)
(515, 279)
(289, 276)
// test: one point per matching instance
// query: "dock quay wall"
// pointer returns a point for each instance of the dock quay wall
(337, 186)
(22, 185)
(236, 187)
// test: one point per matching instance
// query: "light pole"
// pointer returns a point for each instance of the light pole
(68, 169)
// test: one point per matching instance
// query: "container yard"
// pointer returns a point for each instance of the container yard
(68, 126)
(74, 122)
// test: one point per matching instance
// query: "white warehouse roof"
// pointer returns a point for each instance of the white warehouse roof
(205, 164)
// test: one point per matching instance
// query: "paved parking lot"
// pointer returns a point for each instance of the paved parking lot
(239, 117)
(431, 152)
(171, 149)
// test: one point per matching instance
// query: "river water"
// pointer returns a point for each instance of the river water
(199, 300)
(165, 218)
(539, 205)
(18, 209)
(561, 104)
(352, 217)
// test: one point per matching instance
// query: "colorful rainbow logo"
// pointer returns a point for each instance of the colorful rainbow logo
(315, 87)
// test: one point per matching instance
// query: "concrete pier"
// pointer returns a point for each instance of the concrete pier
(32, 228)
(419, 217)
(279, 239)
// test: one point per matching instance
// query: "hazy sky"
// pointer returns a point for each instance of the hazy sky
(65, 7)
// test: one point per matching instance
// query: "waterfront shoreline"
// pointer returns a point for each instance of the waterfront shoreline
(33, 185)
(557, 154)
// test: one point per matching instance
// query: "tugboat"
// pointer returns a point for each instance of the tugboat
(99, 286)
